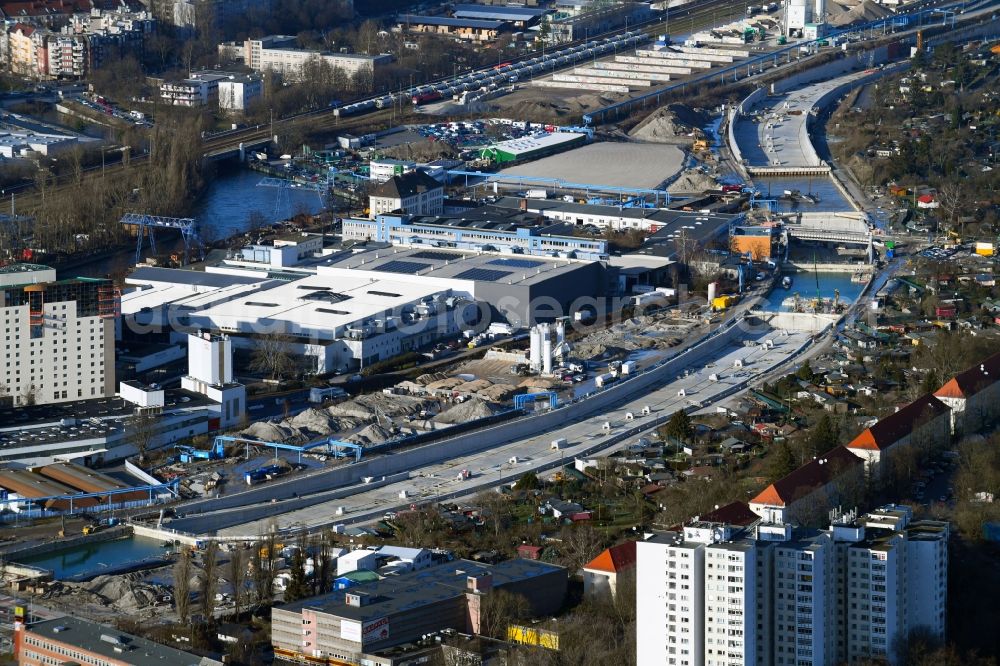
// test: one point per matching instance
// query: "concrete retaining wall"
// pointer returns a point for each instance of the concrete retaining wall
(746, 106)
(291, 492)
(109, 534)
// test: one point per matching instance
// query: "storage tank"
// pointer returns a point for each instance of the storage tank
(819, 12)
(535, 353)
(712, 287)
(546, 350)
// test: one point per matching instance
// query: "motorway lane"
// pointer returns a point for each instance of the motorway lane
(489, 468)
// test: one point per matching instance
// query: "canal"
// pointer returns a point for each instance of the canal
(804, 283)
(97, 558)
(231, 204)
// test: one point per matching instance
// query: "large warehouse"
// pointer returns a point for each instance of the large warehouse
(533, 147)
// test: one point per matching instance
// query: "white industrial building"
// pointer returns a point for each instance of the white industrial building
(412, 193)
(805, 18)
(717, 594)
(238, 93)
(24, 144)
(59, 343)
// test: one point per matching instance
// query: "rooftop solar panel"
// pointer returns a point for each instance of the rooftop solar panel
(435, 256)
(482, 274)
(398, 266)
(516, 263)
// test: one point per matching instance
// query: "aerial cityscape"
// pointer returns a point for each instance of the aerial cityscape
(499, 333)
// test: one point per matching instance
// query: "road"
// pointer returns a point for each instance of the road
(440, 481)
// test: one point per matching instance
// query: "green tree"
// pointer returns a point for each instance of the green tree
(805, 373)
(679, 426)
(297, 588)
(781, 463)
(823, 436)
(528, 481)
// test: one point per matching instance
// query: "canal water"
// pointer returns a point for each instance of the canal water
(94, 558)
(830, 198)
(232, 203)
(804, 283)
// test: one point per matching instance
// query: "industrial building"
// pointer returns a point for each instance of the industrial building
(519, 17)
(60, 336)
(533, 147)
(518, 290)
(85, 480)
(353, 626)
(697, 226)
(473, 30)
(484, 229)
(72, 640)
(98, 431)
(722, 594)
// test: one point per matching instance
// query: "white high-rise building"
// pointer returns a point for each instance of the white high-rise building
(722, 595)
(58, 337)
(670, 610)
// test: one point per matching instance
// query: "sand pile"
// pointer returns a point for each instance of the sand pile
(471, 409)
(373, 434)
(319, 422)
(661, 126)
(848, 13)
(271, 432)
(693, 180)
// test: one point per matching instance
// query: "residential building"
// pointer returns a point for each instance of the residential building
(84, 44)
(810, 491)
(412, 193)
(973, 396)
(670, 602)
(925, 423)
(207, 87)
(189, 15)
(59, 343)
(238, 93)
(277, 54)
(600, 575)
(69, 639)
(346, 627)
(767, 593)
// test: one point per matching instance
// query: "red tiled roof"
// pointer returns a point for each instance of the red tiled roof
(889, 430)
(734, 513)
(614, 559)
(813, 475)
(970, 382)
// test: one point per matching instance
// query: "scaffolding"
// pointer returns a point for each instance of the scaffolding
(109, 301)
(147, 224)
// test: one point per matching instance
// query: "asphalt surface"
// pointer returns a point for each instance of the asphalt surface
(440, 481)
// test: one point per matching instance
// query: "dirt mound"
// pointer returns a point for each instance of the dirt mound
(270, 432)
(848, 13)
(367, 406)
(470, 410)
(693, 180)
(373, 434)
(123, 594)
(661, 126)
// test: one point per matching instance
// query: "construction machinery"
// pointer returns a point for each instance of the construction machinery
(190, 454)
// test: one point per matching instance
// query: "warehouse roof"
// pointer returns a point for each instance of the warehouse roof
(409, 591)
(151, 274)
(114, 645)
(522, 14)
(444, 21)
(541, 141)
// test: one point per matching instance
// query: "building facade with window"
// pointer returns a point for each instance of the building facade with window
(58, 336)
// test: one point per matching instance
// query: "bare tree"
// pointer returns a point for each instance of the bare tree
(272, 355)
(141, 430)
(580, 544)
(208, 582)
(498, 608)
(237, 574)
(182, 586)
(262, 561)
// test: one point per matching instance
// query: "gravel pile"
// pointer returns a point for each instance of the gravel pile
(373, 434)
(661, 126)
(693, 180)
(471, 409)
